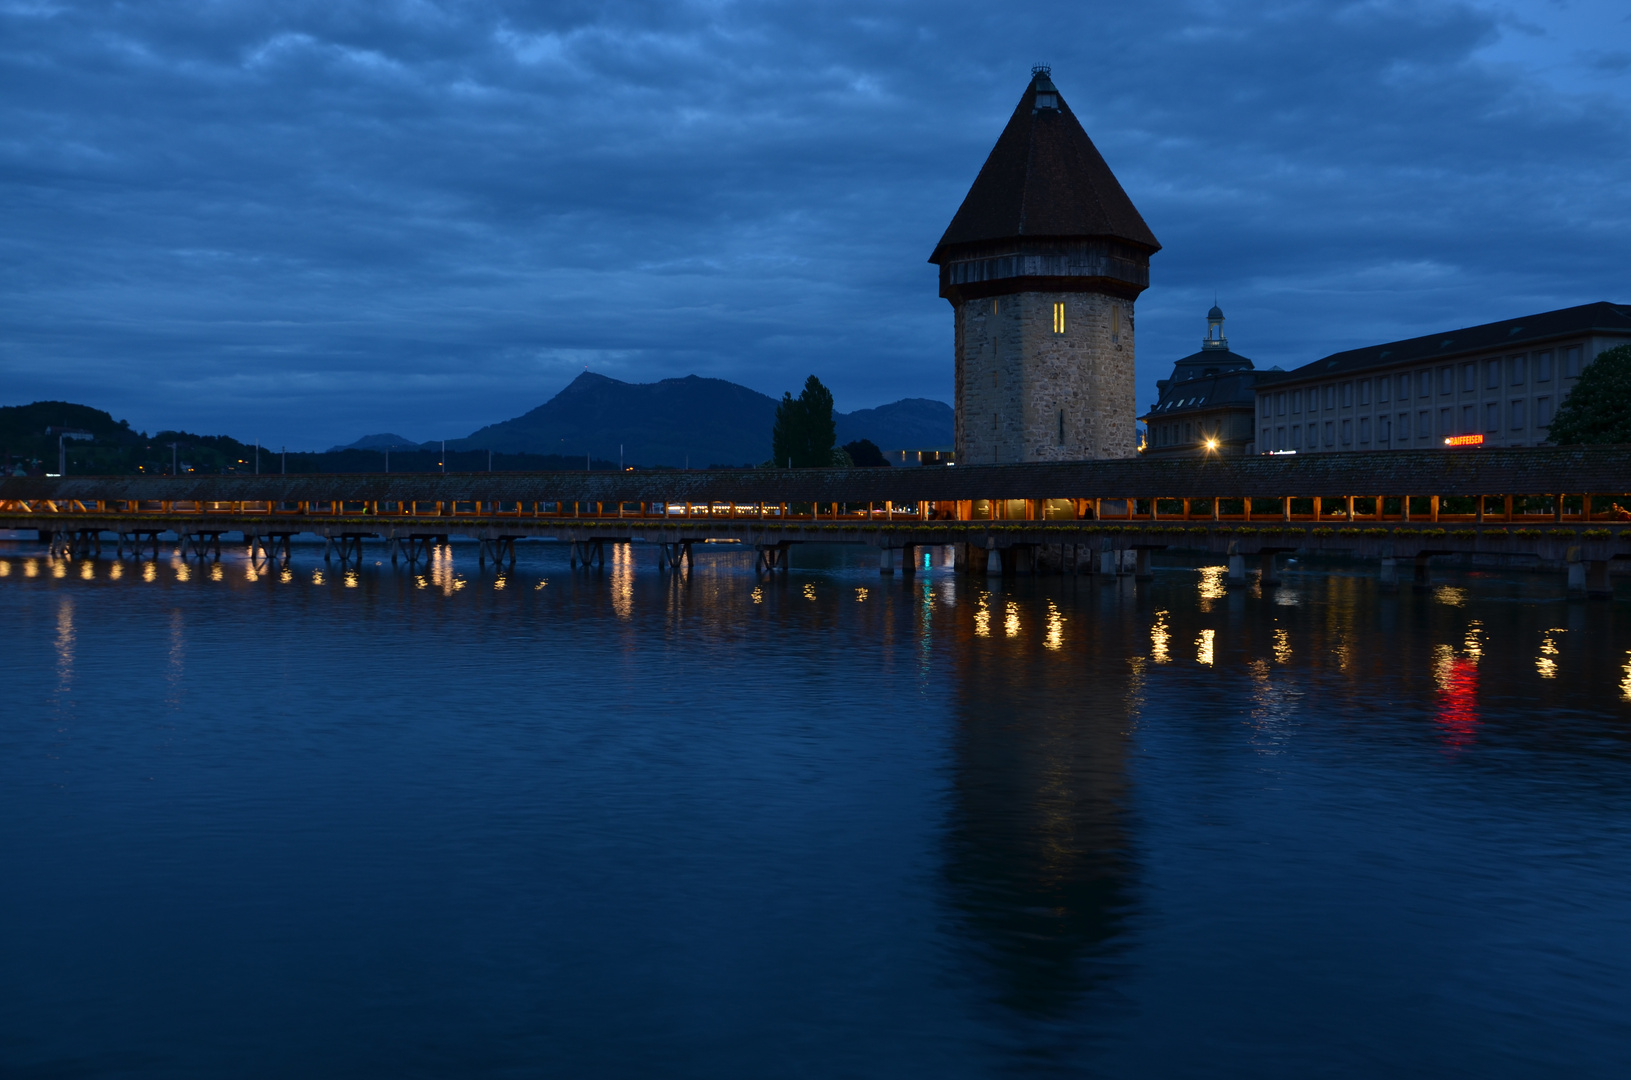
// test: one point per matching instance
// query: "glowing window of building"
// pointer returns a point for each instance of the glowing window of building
(1059, 318)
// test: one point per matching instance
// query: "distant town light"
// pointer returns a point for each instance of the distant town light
(1464, 440)
(1211, 444)
(1280, 453)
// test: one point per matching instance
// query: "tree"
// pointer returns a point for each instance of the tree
(865, 454)
(804, 433)
(1598, 409)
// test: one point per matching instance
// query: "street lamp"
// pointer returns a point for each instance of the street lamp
(62, 448)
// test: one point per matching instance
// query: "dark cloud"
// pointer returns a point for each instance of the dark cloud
(301, 222)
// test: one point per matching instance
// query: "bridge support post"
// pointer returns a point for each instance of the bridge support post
(1019, 560)
(1141, 570)
(1598, 586)
(1423, 580)
(1577, 577)
(993, 562)
(1270, 575)
(908, 559)
(886, 560)
(1390, 573)
(1577, 571)
(770, 557)
(1109, 559)
(1237, 564)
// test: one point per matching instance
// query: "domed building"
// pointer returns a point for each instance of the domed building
(1208, 404)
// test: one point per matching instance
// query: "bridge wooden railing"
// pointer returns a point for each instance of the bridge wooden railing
(1495, 509)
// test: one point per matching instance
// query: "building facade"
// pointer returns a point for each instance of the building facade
(1042, 264)
(1208, 404)
(1500, 382)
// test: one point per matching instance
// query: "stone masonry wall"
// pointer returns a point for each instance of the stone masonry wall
(1015, 376)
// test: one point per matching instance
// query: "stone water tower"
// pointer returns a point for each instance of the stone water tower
(1041, 264)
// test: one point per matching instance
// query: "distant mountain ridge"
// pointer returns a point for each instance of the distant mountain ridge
(386, 441)
(691, 421)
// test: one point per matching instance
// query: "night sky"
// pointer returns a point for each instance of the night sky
(304, 222)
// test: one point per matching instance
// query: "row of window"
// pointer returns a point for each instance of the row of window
(1518, 369)
(1450, 421)
(1174, 434)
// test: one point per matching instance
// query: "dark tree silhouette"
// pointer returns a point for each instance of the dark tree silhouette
(804, 433)
(864, 453)
(1598, 409)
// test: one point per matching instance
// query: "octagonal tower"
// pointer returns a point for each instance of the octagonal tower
(1042, 264)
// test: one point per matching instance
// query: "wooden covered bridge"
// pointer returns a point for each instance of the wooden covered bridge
(1569, 504)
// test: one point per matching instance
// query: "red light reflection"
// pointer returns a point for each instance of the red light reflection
(1458, 702)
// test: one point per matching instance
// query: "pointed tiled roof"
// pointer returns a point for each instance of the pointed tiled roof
(1045, 178)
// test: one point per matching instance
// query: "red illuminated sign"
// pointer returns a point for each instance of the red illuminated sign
(1464, 440)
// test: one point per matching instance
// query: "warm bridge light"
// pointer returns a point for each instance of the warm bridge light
(1464, 440)
(1211, 444)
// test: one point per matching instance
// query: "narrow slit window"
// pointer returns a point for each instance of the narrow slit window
(1059, 318)
(1061, 427)
(1115, 323)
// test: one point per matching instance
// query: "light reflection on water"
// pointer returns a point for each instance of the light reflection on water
(691, 824)
(1545, 663)
(1159, 636)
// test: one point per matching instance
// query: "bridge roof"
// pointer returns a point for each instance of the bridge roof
(1472, 471)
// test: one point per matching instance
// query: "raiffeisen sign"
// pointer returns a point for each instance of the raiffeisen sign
(1464, 440)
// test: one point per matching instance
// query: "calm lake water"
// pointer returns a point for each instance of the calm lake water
(452, 823)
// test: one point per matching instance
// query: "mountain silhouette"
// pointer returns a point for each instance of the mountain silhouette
(693, 421)
(386, 441)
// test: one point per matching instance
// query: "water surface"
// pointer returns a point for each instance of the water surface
(451, 822)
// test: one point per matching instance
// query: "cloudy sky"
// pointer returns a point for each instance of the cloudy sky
(302, 222)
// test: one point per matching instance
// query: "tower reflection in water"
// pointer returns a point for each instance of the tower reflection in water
(1039, 864)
